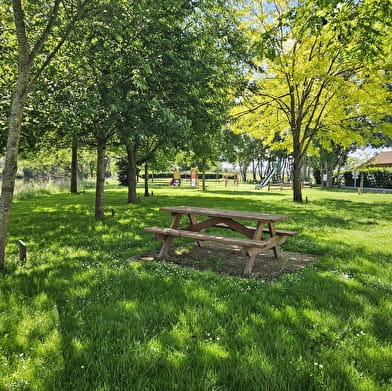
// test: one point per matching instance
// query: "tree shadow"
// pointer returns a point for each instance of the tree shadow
(155, 326)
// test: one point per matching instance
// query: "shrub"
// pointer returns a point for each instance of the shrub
(373, 177)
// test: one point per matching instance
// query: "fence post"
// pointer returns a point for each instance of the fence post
(22, 251)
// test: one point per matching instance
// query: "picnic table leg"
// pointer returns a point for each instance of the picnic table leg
(193, 220)
(251, 260)
(168, 240)
(249, 264)
(276, 249)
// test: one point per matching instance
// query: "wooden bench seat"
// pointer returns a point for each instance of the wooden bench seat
(252, 246)
(279, 232)
(251, 240)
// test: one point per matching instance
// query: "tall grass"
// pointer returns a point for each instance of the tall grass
(25, 190)
(76, 316)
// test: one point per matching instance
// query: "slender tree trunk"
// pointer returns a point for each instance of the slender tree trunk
(11, 158)
(260, 168)
(254, 170)
(203, 175)
(100, 181)
(146, 192)
(132, 175)
(297, 183)
(27, 52)
(91, 165)
(330, 176)
(74, 168)
(297, 170)
(243, 168)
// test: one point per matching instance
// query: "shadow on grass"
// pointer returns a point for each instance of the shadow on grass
(123, 326)
(112, 325)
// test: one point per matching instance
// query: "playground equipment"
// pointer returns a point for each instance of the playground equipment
(266, 180)
(176, 180)
(194, 181)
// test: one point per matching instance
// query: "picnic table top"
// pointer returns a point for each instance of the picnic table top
(226, 213)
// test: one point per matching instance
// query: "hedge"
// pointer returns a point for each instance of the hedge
(372, 177)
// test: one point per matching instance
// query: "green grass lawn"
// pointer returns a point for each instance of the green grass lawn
(76, 316)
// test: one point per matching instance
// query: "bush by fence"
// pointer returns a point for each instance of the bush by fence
(373, 177)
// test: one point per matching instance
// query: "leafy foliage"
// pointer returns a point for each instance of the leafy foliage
(308, 78)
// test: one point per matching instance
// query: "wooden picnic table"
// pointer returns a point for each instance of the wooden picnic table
(253, 243)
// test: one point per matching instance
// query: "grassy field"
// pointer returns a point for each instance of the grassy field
(76, 316)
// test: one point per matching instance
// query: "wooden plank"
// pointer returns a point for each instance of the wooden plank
(252, 252)
(218, 222)
(168, 239)
(271, 243)
(252, 246)
(193, 221)
(202, 225)
(234, 214)
(260, 244)
(280, 232)
(257, 235)
(272, 231)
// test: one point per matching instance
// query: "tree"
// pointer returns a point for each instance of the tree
(52, 120)
(215, 77)
(310, 76)
(37, 44)
(328, 162)
(244, 150)
(171, 74)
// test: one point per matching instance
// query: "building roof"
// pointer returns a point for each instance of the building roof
(383, 159)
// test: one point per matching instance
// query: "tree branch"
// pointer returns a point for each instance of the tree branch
(23, 45)
(45, 34)
(64, 38)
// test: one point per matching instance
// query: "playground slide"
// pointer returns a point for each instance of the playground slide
(266, 180)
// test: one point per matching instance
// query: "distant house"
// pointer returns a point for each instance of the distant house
(382, 159)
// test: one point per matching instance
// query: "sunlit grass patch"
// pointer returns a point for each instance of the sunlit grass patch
(77, 316)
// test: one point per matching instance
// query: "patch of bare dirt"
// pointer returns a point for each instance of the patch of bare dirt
(230, 260)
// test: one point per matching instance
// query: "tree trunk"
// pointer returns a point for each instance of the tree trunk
(92, 173)
(132, 175)
(27, 52)
(297, 182)
(297, 170)
(10, 167)
(100, 181)
(330, 177)
(254, 170)
(243, 169)
(11, 157)
(203, 175)
(146, 192)
(297, 164)
(260, 168)
(74, 168)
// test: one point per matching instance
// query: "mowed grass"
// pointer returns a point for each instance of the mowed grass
(77, 316)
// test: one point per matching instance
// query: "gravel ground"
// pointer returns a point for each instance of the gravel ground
(231, 261)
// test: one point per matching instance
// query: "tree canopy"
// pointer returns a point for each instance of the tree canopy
(310, 77)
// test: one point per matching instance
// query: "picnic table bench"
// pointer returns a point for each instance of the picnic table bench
(253, 243)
